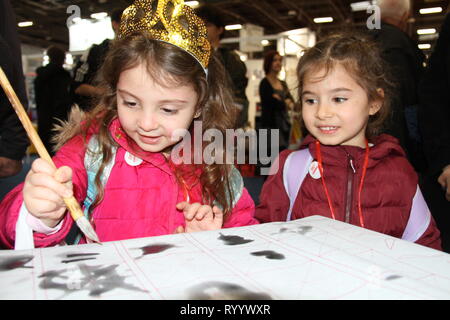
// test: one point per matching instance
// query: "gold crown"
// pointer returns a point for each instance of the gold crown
(170, 21)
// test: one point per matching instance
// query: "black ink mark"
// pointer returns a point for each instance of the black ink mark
(393, 277)
(155, 248)
(74, 255)
(269, 254)
(300, 230)
(233, 240)
(83, 257)
(216, 290)
(304, 229)
(76, 260)
(96, 279)
(14, 262)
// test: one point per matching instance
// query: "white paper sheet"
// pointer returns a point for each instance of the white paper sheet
(311, 258)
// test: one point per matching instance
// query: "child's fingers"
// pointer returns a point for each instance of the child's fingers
(202, 212)
(49, 182)
(41, 166)
(64, 175)
(218, 215)
(46, 206)
(42, 193)
(182, 205)
(190, 213)
(179, 229)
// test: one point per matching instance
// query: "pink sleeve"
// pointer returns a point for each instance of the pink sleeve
(72, 155)
(242, 213)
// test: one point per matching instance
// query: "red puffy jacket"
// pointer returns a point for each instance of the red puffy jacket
(386, 199)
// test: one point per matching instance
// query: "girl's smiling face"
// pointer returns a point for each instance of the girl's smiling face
(150, 113)
(335, 107)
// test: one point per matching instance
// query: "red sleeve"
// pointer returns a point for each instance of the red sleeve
(242, 213)
(274, 201)
(72, 155)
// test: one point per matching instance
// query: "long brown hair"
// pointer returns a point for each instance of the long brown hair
(168, 65)
(361, 57)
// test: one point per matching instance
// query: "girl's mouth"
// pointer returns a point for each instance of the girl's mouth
(328, 129)
(149, 140)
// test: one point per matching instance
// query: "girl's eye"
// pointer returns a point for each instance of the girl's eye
(130, 104)
(169, 111)
(309, 101)
(339, 99)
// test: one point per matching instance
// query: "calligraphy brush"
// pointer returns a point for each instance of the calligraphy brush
(71, 202)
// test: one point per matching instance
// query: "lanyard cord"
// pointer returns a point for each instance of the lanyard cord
(319, 159)
(364, 170)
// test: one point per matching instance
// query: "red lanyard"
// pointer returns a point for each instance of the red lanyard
(366, 162)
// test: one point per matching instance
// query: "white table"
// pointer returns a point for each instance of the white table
(311, 258)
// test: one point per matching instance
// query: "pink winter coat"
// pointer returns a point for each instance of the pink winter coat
(139, 200)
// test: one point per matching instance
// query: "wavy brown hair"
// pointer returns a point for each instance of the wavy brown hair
(361, 57)
(168, 65)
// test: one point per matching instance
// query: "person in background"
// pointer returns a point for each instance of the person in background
(13, 138)
(405, 61)
(52, 92)
(118, 159)
(345, 169)
(276, 100)
(236, 69)
(434, 122)
(85, 89)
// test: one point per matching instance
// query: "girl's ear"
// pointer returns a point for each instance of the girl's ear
(198, 113)
(376, 105)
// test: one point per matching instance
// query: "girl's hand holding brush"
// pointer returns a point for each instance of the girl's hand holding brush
(44, 190)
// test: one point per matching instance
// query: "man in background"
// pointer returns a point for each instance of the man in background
(435, 124)
(13, 138)
(52, 93)
(237, 71)
(406, 66)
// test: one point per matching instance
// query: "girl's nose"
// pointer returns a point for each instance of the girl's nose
(323, 111)
(148, 122)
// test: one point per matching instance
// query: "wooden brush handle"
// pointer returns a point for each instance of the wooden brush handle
(71, 202)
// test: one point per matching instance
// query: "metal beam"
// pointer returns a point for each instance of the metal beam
(267, 11)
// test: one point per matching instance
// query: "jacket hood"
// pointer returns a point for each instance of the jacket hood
(381, 147)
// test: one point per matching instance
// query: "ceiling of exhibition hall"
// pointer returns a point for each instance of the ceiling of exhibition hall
(49, 17)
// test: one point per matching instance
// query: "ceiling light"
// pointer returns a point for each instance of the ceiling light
(430, 10)
(361, 6)
(424, 46)
(233, 27)
(99, 15)
(426, 31)
(265, 42)
(25, 24)
(323, 20)
(193, 4)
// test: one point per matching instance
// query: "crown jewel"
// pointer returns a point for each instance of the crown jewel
(170, 21)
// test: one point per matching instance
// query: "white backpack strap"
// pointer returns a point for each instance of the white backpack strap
(294, 172)
(419, 218)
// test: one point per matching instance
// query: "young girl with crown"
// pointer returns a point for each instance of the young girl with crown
(116, 160)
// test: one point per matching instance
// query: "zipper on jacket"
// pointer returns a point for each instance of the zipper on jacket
(349, 192)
